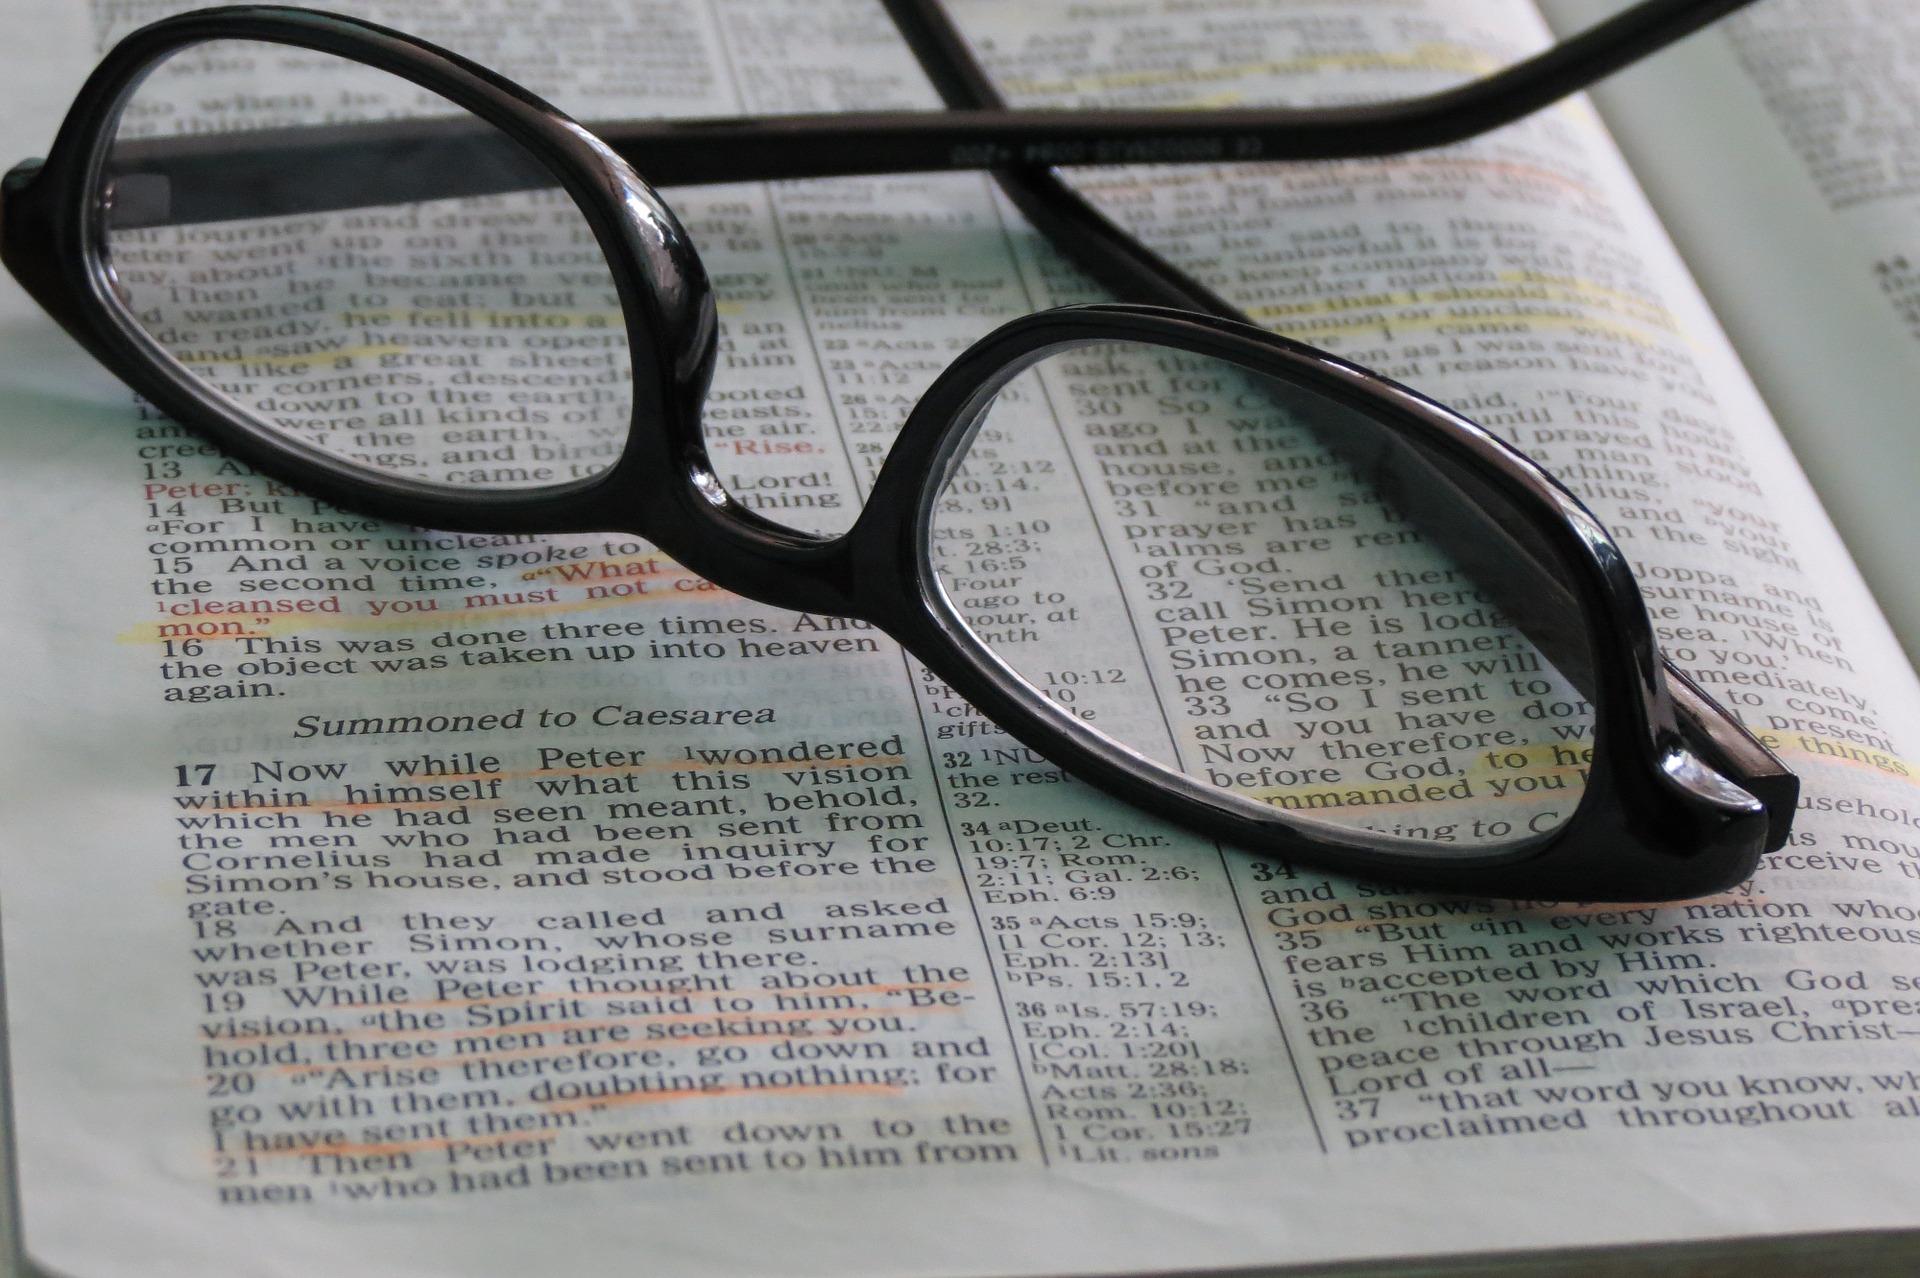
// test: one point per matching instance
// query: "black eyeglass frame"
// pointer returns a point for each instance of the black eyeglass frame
(1680, 800)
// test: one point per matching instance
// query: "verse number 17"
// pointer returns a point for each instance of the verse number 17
(193, 773)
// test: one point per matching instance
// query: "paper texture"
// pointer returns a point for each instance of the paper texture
(1775, 149)
(491, 904)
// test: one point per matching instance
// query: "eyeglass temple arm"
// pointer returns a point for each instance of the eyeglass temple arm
(342, 166)
(1113, 256)
(673, 152)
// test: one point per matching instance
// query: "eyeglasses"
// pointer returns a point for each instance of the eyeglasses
(1229, 578)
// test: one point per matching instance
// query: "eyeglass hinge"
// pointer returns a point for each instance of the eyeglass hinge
(22, 174)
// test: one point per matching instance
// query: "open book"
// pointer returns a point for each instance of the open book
(381, 900)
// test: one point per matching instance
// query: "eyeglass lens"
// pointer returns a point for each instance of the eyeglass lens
(473, 339)
(1286, 603)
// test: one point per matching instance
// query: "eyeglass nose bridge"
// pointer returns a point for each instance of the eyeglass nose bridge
(689, 515)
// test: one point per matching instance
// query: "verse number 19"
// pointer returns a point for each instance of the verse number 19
(193, 773)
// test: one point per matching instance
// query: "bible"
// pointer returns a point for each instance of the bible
(387, 899)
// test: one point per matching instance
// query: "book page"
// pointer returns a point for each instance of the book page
(1777, 148)
(385, 900)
